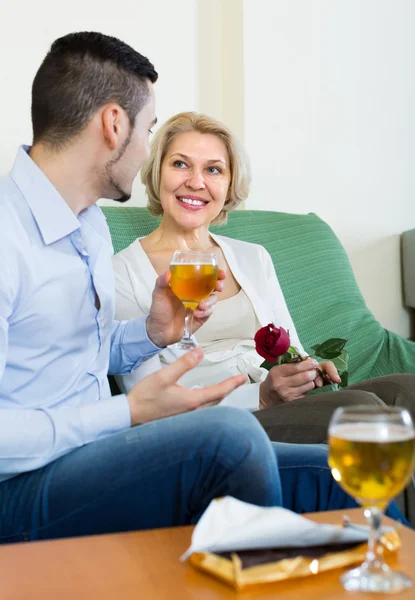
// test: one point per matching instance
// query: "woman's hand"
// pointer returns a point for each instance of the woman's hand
(330, 372)
(205, 309)
(165, 322)
(288, 382)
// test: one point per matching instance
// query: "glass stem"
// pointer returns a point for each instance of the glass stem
(188, 324)
(374, 556)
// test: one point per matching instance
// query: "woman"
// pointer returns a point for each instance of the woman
(197, 172)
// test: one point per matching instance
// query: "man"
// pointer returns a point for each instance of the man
(73, 460)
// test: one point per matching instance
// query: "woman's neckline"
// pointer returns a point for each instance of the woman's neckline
(150, 264)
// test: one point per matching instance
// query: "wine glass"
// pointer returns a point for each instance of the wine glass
(193, 278)
(372, 456)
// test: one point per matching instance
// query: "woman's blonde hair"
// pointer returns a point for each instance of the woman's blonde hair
(191, 121)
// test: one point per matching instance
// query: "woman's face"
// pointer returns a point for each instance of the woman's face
(195, 179)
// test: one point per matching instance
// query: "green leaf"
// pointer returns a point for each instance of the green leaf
(333, 387)
(330, 348)
(286, 358)
(344, 379)
(341, 362)
(268, 365)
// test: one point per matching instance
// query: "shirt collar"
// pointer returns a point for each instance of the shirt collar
(52, 214)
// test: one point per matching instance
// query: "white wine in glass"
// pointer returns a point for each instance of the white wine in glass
(372, 457)
(193, 278)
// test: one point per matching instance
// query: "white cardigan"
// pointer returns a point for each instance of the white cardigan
(252, 268)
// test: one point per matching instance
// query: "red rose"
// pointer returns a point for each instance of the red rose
(271, 342)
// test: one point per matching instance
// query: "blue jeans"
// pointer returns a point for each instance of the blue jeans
(306, 480)
(163, 474)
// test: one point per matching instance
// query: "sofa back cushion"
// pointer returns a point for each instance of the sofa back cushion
(313, 269)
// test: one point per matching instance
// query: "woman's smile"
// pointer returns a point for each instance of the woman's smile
(190, 202)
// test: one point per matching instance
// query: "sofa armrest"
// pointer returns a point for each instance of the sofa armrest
(408, 265)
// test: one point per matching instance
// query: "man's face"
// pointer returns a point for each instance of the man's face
(121, 171)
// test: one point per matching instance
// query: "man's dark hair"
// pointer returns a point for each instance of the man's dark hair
(82, 72)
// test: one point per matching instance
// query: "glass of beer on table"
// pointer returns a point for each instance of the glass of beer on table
(193, 278)
(372, 457)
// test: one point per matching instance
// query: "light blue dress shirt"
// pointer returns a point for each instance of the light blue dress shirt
(56, 348)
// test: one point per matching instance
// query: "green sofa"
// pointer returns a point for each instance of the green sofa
(316, 277)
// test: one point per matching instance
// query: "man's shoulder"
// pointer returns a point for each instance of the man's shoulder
(14, 211)
(7, 191)
(10, 200)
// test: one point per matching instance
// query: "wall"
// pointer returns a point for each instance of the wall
(164, 31)
(330, 126)
(221, 61)
(322, 92)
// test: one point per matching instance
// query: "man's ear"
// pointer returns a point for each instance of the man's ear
(113, 125)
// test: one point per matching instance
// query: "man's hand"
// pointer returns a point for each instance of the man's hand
(165, 323)
(291, 381)
(159, 395)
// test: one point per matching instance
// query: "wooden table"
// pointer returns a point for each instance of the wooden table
(145, 566)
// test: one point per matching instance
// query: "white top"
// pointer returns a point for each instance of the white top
(252, 267)
(227, 340)
(233, 320)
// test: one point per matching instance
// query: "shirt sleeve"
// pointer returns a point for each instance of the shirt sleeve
(30, 438)
(130, 346)
(127, 382)
(8, 293)
(282, 317)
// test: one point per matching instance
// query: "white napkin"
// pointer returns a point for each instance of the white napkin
(229, 525)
